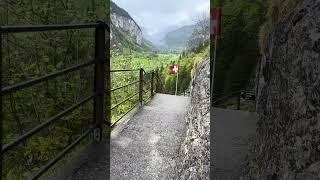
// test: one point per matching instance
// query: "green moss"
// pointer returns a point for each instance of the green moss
(202, 56)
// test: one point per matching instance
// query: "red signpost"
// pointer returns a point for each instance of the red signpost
(215, 31)
(216, 21)
(174, 69)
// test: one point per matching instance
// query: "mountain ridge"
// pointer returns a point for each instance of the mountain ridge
(177, 39)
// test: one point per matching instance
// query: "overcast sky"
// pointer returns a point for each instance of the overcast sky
(157, 15)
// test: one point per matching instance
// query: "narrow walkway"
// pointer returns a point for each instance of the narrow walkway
(232, 130)
(143, 147)
(147, 146)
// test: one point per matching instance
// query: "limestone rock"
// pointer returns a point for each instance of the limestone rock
(121, 19)
(195, 150)
(288, 99)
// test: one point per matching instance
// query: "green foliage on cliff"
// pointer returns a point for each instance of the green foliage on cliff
(150, 61)
(188, 63)
(238, 46)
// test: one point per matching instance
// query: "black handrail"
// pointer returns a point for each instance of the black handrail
(123, 115)
(124, 101)
(44, 125)
(229, 95)
(97, 96)
(61, 154)
(50, 27)
(121, 87)
(141, 91)
(124, 70)
(25, 84)
(99, 84)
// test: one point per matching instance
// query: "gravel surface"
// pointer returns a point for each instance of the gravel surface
(147, 146)
(144, 146)
(232, 130)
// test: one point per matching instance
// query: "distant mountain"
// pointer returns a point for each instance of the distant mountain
(177, 39)
(157, 38)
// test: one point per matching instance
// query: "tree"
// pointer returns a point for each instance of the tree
(201, 33)
(238, 49)
(30, 55)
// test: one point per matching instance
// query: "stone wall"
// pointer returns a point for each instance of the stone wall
(195, 150)
(287, 145)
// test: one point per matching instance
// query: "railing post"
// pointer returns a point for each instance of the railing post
(141, 87)
(152, 83)
(108, 89)
(1, 154)
(99, 84)
(238, 101)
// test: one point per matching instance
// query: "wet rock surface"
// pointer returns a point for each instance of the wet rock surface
(194, 154)
(287, 145)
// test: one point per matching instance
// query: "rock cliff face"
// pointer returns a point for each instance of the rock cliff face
(195, 150)
(122, 20)
(287, 145)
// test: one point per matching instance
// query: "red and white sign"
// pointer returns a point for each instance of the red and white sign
(174, 69)
(215, 21)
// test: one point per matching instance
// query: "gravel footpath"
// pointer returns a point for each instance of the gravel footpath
(148, 145)
(144, 146)
(232, 130)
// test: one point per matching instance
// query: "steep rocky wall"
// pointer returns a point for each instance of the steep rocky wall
(195, 150)
(121, 19)
(128, 26)
(287, 145)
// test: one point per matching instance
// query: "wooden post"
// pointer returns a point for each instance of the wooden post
(141, 87)
(152, 83)
(99, 73)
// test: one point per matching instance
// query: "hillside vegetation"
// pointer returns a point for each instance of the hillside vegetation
(238, 47)
(126, 53)
(30, 55)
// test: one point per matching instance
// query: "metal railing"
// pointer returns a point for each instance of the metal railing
(142, 82)
(102, 88)
(218, 99)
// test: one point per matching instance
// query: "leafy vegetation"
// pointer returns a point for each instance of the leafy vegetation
(127, 54)
(30, 55)
(129, 59)
(238, 47)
